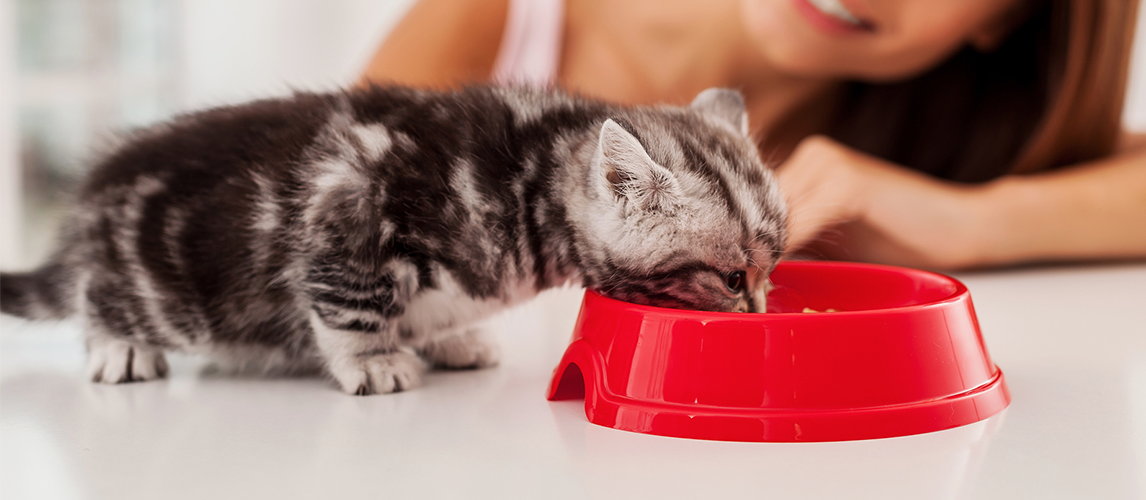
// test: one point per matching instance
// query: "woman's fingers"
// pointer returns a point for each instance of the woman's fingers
(877, 211)
(822, 188)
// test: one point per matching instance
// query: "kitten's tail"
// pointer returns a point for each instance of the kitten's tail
(40, 294)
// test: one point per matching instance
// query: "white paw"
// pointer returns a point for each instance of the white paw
(379, 373)
(114, 361)
(471, 349)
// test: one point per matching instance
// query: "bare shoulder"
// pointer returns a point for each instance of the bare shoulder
(441, 43)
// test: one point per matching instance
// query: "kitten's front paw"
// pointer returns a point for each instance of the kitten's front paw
(114, 361)
(379, 373)
(470, 350)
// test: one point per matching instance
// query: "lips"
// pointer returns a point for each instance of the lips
(833, 16)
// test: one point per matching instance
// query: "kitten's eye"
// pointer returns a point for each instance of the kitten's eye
(734, 281)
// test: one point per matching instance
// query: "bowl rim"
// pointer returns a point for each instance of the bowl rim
(959, 294)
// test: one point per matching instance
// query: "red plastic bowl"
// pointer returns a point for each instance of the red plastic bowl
(903, 355)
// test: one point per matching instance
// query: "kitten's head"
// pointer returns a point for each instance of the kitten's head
(682, 213)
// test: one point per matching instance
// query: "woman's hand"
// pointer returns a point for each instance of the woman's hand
(848, 205)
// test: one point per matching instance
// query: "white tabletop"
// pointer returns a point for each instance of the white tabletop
(1071, 341)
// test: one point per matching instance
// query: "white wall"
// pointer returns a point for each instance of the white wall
(11, 201)
(233, 51)
(1135, 114)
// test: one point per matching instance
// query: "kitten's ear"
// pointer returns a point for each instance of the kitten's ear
(726, 105)
(626, 172)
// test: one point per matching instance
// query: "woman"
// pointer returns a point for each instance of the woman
(932, 134)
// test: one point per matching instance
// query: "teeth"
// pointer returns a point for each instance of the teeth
(835, 9)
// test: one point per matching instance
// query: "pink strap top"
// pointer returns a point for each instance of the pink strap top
(531, 45)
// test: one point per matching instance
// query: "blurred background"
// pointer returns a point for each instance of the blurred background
(75, 72)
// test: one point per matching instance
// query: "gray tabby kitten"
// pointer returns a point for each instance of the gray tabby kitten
(363, 233)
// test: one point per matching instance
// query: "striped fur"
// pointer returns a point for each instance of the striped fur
(362, 233)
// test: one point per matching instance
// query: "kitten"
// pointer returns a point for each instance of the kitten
(362, 233)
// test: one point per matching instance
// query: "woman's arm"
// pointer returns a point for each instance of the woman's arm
(440, 43)
(849, 205)
(1131, 141)
(1091, 211)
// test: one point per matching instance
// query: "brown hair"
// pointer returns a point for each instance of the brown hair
(1050, 95)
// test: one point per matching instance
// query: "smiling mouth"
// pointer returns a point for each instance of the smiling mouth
(836, 11)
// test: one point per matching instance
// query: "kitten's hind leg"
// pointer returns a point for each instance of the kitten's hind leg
(118, 351)
(469, 348)
(115, 361)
